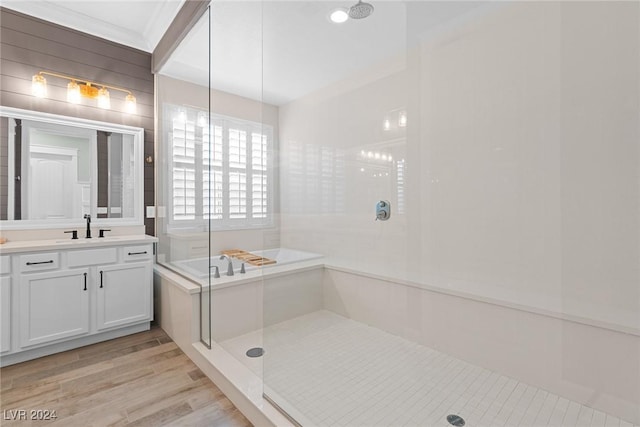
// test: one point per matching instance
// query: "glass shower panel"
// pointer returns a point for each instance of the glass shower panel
(504, 288)
(345, 118)
(183, 165)
(244, 131)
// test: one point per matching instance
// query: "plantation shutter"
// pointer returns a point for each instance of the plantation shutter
(219, 173)
(184, 170)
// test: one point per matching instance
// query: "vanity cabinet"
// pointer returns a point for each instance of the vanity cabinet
(53, 306)
(5, 303)
(56, 300)
(124, 295)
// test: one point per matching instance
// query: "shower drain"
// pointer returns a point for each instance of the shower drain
(455, 420)
(256, 352)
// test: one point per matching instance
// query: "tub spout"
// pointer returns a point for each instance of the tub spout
(230, 266)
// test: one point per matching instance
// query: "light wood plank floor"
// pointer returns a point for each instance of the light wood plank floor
(138, 380)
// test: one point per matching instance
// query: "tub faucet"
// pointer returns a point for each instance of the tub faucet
(88, 218)
(216, 275)
(230, 267)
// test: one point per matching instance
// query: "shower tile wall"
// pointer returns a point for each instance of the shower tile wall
(517, 177)
(520, 167)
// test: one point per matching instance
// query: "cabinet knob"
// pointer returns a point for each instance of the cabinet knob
(85, 281)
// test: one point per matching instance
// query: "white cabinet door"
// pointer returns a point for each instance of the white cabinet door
(53, 306)
(5, 313)
(124, 294)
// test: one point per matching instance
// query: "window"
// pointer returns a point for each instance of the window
(219, 174)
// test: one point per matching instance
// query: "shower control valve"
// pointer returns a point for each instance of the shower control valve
(383, 210)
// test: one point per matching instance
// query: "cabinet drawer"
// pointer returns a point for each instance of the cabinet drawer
(39, 262)
(137, 253)
(92, 257)
(5, 264)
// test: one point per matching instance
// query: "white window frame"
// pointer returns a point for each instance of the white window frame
(202, 222)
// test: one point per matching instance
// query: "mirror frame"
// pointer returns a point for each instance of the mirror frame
(138, 141)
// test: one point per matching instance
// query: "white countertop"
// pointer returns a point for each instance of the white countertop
(18, 246)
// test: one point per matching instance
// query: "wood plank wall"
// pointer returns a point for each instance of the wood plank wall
(29, 45)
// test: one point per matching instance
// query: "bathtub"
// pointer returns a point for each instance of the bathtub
(199, 267)
(190, 306)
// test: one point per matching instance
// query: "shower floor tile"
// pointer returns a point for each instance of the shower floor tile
(327, 370)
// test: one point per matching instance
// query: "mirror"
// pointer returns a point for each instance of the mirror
(56, 169)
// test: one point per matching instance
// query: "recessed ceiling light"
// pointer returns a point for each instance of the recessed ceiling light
(338, 16)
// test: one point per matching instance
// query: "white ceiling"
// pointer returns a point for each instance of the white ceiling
(137, 23)
(272, 50)
(278, 51)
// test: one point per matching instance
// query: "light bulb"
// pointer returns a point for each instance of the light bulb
(103, 98)
(339, 16)
(386, 125)
(39, 86)
(130, 104)
(73, 92)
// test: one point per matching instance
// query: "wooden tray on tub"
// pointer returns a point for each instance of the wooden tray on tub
(248, 257)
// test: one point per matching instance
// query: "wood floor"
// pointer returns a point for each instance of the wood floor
(138, 380)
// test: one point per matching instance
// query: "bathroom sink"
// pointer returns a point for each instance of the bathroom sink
(94, 240)
(82, 240)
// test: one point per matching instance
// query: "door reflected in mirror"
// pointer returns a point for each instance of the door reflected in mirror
(52, 171)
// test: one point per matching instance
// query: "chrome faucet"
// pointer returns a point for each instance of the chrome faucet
(88, 218)
(230, 267)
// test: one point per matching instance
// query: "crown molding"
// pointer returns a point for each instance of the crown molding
(143, 38)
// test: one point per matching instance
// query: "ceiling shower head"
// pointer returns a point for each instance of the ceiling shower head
(360, 10)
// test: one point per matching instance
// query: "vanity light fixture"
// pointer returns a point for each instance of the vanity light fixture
(104, 101)
(73, 92)
(39, 86)
(78, 88)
